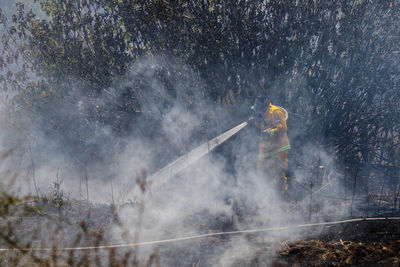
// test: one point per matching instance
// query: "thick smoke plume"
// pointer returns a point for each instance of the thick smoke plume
(216, 192)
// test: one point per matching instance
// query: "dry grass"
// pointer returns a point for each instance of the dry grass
(34, 233)
(341, 253)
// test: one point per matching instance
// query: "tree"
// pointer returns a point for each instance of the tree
(334, 65)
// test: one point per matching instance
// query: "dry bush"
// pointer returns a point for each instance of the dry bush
(33, 233)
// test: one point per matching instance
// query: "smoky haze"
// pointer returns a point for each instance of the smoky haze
(102, 129)
(217, 192)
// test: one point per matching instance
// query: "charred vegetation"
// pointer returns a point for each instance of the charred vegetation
(103, 89)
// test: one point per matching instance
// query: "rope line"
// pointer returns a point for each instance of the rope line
(203, 236)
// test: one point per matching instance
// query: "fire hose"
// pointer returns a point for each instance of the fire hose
(185, 238)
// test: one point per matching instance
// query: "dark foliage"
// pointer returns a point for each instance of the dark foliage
(334, 65)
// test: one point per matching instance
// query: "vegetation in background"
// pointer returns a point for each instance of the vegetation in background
(334, 65)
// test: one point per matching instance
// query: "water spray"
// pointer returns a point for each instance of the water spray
(158, 179)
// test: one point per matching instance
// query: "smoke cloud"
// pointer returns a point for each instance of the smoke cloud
(216, 193)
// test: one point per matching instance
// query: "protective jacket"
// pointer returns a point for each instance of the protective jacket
(274, 146)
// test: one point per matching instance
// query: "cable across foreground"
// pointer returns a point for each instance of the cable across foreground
(192, 237)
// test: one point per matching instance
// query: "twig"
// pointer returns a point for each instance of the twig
(322, 182)
(395, 199)
(345, 194)
(87, 191)
(33, 172)
(142, 183)
(58, 199)
(354, 191)
(380, 198)
(29, 183)
(396, 196)
(318, 196)
(311, 189)
(87, 186)
(80, 195)
(367, 200)
(112, 193)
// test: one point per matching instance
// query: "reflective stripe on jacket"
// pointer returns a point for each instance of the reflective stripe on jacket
(274, 118)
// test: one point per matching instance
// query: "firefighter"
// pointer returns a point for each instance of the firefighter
(274, 143)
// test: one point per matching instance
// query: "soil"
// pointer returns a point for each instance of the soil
(365, 243)
(339, 253)
(362, 243)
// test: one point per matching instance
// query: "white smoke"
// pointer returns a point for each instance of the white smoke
(204, 197)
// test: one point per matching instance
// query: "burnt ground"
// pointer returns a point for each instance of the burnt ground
(361, 243)
(365, 243)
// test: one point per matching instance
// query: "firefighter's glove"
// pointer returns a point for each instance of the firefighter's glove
(270, 132)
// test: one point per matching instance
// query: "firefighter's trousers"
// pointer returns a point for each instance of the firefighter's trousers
(274, 169)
